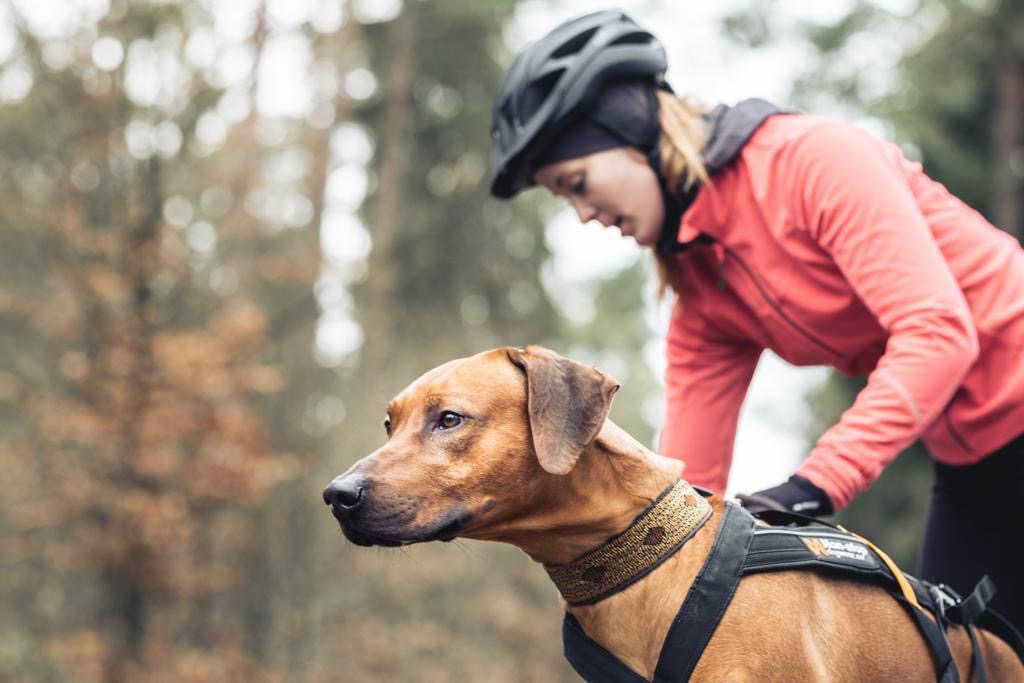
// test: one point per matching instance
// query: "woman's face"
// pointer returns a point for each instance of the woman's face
(615, 187)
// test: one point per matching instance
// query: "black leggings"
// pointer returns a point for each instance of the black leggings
(976, 526)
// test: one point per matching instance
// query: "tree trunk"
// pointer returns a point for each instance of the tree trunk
(1008, 209)
(130, 598)
(294, 552)
(389, 202)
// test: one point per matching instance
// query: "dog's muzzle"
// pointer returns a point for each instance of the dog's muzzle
(389, 520)
(346, 496)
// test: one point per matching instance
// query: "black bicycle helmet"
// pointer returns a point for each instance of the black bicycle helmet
(555, 78)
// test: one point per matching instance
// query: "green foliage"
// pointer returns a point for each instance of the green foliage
(751, 28)
(831, 38)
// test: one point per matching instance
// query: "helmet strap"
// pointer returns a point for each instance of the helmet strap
(676, 204)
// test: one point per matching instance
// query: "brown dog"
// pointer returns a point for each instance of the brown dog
(514, 445)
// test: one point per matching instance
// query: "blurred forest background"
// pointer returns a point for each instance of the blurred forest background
(211, 283)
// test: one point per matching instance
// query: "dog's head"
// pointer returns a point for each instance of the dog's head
(473, 446)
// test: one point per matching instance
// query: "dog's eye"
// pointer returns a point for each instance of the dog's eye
(387, 425)
(449, 420)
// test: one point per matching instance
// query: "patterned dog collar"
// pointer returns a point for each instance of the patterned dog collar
(655, 535)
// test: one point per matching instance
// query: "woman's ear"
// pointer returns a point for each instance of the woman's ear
(567, 403)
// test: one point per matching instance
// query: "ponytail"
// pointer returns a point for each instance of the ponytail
(683, 133)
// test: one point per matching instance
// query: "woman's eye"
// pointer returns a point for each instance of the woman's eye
(578, 186)
(449, 420)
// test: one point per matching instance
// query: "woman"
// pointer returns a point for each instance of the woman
(809, 237)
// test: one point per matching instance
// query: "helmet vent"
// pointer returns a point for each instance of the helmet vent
(538, 92)
(572, 46)
(633, 38)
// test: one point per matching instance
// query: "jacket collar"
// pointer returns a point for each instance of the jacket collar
(730, 128)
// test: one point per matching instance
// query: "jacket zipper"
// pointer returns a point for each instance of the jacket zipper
(721, 250)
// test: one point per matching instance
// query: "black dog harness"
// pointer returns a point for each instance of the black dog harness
(741, 547)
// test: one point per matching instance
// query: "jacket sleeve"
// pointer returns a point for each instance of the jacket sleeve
(856, 203)
(706, 380)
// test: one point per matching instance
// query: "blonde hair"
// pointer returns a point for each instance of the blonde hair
(683, 134)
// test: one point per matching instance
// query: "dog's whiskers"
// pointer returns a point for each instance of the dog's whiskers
(467, 548)
(405, 551)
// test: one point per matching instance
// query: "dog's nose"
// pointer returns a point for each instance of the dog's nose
(344, 492)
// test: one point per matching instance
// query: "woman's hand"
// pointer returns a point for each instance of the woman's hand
(795, 495)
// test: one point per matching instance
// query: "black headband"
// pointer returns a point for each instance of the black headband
(620, 115)
(583, 137)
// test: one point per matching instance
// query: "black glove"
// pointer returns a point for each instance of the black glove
(796, 495)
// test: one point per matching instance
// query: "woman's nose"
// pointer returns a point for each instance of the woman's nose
(585, 211)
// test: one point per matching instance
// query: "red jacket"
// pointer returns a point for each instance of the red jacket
(831, 248)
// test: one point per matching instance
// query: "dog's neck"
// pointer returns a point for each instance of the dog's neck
(614, 481)
(654, 536)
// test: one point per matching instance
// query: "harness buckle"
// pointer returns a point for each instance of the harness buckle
(944, 596)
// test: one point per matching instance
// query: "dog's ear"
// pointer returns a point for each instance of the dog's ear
(568, 403)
